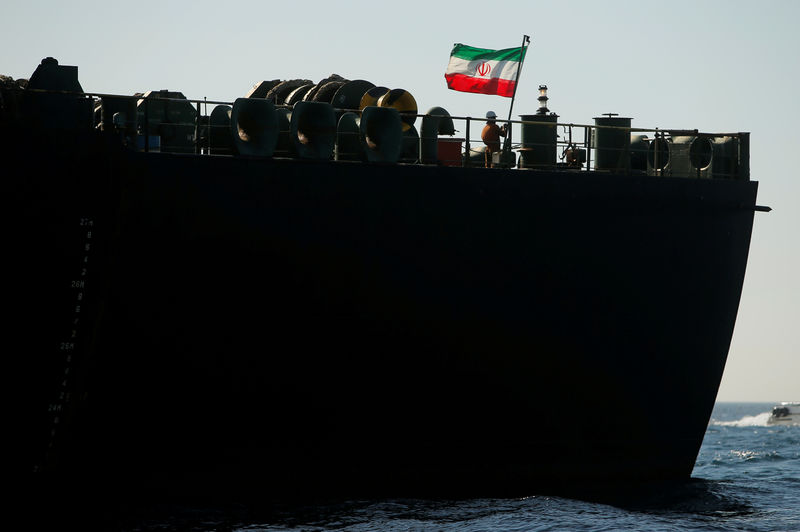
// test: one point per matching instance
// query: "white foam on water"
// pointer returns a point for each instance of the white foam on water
(759, 420)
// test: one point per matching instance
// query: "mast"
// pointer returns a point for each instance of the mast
(507, 143)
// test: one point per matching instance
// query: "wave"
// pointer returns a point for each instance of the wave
(759, 420)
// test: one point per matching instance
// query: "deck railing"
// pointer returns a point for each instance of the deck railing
(175, 124)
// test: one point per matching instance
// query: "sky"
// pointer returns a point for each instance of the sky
(713, 65)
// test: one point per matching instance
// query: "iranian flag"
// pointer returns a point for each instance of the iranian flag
(484, 71)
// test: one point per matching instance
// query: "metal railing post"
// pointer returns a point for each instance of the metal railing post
(146, 125)
(197, 131)
(466, 146)
(588, 141)
(208, 129)
(656, 148)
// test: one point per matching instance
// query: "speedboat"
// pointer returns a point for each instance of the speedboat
(785, 413)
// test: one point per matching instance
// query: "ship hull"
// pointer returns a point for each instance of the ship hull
(199, 323)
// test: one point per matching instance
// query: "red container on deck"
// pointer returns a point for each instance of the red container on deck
(449, 152)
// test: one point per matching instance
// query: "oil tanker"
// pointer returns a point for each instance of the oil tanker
(302, 293)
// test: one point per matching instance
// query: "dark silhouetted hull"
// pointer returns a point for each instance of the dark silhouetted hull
(341, 328)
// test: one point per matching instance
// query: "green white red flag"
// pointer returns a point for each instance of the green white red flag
(484, 71)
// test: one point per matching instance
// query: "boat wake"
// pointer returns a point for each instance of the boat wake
(759, 420)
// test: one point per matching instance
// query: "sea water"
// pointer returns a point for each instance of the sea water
(747, 477)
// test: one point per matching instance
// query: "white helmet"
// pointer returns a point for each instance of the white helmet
(491, 114)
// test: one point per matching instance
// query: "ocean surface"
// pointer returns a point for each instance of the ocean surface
(747, 477)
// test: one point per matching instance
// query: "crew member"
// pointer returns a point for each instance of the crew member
(491, 136)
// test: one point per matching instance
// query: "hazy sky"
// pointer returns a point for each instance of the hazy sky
(718, 66)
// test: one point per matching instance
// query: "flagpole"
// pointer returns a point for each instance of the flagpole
(507, 144)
